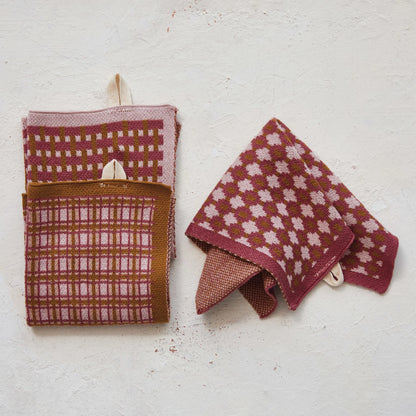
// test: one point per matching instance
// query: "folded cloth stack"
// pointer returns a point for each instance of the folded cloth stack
(98, 251)
(279, 216)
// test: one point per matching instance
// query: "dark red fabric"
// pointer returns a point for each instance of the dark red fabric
(280, 208)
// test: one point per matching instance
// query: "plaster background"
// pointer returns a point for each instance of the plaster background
(341, 75)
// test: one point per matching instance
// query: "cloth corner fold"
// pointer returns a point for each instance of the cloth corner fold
(280, 217)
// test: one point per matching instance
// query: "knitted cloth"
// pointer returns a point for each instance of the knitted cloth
(279, 216)
(98, 251)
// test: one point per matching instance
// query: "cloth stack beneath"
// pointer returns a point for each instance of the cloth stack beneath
(280, 217)
(98, 251)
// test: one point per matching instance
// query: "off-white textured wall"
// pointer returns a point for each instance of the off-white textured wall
(341, 75)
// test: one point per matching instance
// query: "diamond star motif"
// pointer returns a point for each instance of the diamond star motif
(273, 181)
(367, 242)
(315, 172)
(317, 198)
(218, 194)
(292, 152)
(313, 239)
(227, 178)
(289, 195)
(265, 196)
(237, 202)
(270, 237)
(370, 225)
(364, 256)
(299, 149)
(305, 253)
(297, 223)
(288, 252)
(306, 210)
(257, 211)
(334, 179)
(333, 213)
(299, 182)
(263, 154)
(352, 202)
(282, 167)
(298, 268)
(230, 219)
(211, 211)
(245, 185)
(250, 227)
(277, 222)
(323, 227)
(253, 169)
(359, 269)
(282, 209)
(273, 139)
(293, 237)
(332, 195)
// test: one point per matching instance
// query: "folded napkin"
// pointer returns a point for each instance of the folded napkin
(279, 216)
(98, 251)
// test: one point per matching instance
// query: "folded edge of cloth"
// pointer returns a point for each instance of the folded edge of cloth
(282, 211)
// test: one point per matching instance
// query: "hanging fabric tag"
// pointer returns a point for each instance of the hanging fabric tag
(113, 170)
(335, 277)
(118, 92)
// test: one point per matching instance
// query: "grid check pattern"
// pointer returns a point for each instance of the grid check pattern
(56, 154)
(89, 260)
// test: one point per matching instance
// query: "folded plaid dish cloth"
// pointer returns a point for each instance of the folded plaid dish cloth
(98, 251)
(279, 216)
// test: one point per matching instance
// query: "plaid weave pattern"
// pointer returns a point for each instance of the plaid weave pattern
(55, 154)
(98, 252)
(76, 146)
(89, 258)
(281, 208)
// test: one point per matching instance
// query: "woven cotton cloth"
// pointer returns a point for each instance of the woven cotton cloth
(98, 251)
(76, 146)
(280, 217)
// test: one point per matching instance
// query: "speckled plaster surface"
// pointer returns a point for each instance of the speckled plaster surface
(341, 74)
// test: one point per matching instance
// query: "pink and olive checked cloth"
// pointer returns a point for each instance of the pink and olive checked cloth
(98, 251)
(76, 146)
(279, 216)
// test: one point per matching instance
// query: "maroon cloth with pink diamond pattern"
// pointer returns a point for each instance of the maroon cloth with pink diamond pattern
(279, 216)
